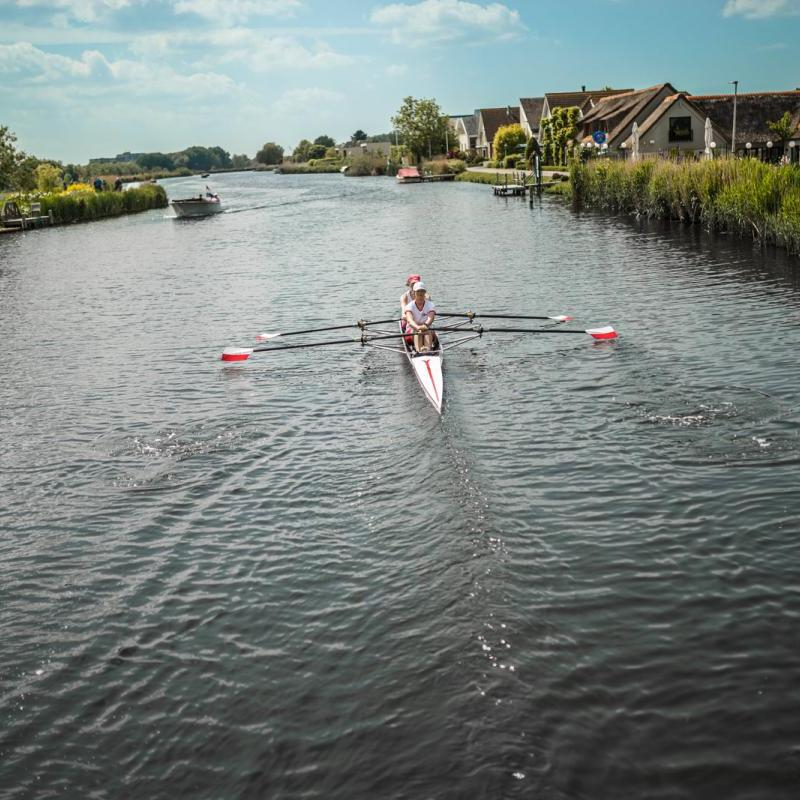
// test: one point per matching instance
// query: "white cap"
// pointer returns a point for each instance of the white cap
(419, 285)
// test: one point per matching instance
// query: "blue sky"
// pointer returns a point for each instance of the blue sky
(87, 78)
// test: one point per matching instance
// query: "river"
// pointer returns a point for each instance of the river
(290, 578)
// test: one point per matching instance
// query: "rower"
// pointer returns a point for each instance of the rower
(419, 315)
(408, 295)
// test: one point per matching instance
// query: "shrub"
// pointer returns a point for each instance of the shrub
(362, 166)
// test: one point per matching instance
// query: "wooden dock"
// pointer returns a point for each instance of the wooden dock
(509, 189)
(436, 178)
(12, 219)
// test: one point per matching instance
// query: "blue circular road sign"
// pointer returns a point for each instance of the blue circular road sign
(599, 137)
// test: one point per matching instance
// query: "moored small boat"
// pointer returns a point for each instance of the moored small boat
(200, 206)
(408, 175)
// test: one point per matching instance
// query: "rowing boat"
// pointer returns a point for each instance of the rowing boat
(427, 366)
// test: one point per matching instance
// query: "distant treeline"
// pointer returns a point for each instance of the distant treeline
(25, 173)
(192, 159)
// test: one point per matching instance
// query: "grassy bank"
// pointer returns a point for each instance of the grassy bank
(742, 196)
(482, 177)
(313, 167)
(81, 203)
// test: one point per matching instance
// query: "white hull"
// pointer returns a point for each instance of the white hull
(196, 207)
(428, 370)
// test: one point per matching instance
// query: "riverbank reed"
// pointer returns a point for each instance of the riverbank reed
(742, 196)
(86, 204)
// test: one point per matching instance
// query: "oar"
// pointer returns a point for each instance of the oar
(596, 333)
(243, 353)
(473, 314)
(265, 337)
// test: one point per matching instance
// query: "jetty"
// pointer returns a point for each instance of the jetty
(13, 219)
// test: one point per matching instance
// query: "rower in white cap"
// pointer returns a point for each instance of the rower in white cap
(419, 315)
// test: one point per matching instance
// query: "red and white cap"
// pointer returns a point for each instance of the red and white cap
(412, 279)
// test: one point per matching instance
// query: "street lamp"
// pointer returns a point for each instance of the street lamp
(748, 146)
(713, 146)
(622, 147)
(733, 132)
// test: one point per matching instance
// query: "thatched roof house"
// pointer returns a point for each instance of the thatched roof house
(753, 113)
(615, 115)
(583, 100)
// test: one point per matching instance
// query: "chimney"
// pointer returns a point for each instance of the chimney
(583, 88)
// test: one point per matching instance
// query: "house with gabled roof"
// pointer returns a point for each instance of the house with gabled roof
(753, 113)
(465, 127)
(614, 115)
(530, 113)
(488, 121)
(584, 101)
(676, 125)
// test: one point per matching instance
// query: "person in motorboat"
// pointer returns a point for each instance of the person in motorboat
(419, 315)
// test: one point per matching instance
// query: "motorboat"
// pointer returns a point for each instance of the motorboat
(201, 206)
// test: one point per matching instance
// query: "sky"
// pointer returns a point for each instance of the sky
(81, 79)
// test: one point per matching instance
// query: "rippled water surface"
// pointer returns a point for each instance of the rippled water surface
(291, 578)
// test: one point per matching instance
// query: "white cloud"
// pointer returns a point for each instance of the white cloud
(396, 70)
(81, 10)
(312, 103)
(258, 52)
(237, 10)
(264, 55)
(92, 72)
(447, 20)
(23, 61)
(760, 9)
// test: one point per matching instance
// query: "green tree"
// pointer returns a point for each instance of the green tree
(422, 127)
(10, 159)
(507, 140)
(783, 129)
(156, 161)
(557, 132)
(222, 158)
(358, 136)
(240, 161)
(25, 177)
(302, 151)
(48, 177)
(325, 141)
(270, 153)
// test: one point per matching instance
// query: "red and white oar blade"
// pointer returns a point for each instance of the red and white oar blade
(602, 333)
(561, 318)
(265, 337)
(236, 353)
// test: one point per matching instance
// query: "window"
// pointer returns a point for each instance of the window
(680, 129)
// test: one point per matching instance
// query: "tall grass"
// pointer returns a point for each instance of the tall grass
(743, 196)
(80, 203)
